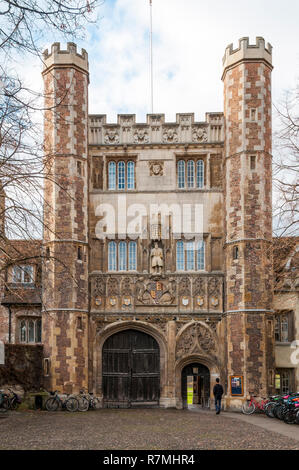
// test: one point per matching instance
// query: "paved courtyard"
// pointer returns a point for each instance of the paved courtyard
(144, 429)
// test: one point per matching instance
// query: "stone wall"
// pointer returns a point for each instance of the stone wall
(23, 366)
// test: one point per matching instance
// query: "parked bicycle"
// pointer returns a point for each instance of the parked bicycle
(55, 402)
(87, 401)
(14, 399)
(252, 405)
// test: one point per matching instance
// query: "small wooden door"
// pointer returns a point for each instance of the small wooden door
(131, 370)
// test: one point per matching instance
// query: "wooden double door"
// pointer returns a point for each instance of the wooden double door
(131, 370)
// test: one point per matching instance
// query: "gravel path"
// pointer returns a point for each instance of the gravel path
(144, 429)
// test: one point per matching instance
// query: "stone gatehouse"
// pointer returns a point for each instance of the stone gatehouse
(156, 262)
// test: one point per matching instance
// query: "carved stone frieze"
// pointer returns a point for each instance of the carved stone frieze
(199, 134)
(126, 286)
(185, 286)
(154, 292)
(170, 136)
(199, 286)
(98, 286)
(214, 286)
(113, 286)
(141, 136)
(198, 337)
(111, 137)
(156, 168)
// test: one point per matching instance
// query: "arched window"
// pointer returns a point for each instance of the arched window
(180, 256)
(132, 256)
(112, 175)
(200, 174)
(190, 256)
(122, 256)
(201, 255)
(130, 175)
(30, 330)
(111, 256)
(190, 174)
(121, 173)
(181, 174)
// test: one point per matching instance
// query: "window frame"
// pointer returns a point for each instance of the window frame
(191, 172)
(36, 330)
(123, 176)
(188, 260)
(127, 252)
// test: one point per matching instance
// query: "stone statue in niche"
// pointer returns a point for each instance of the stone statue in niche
(156, 259)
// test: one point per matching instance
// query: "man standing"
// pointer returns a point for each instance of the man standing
(218, 392)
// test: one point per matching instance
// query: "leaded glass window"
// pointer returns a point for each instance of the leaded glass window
(200, 174)
(112, 175)
(111, 256)
(130, 175)
(181, 174)
(190, 174)
(122, 256)
(190, 256)
(132, 256)
(121, 175)
(180, 256)
(201, 255)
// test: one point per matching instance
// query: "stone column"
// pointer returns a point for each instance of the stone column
(248, 215)
(65, 273)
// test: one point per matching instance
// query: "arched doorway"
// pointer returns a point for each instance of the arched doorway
(131, 370)
(200, 376)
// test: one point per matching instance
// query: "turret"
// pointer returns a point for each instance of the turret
(248, 216)
(65, 270)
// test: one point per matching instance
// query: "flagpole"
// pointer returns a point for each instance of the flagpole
(151, 58)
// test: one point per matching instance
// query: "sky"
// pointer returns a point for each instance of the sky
(189, 40)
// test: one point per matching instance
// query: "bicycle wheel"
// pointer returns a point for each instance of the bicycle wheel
(4, 405)
(13, 403)
(289, 417)
(52, 404)
(96, 404)
(248, 408)
(277, 411)
(83, 404)
(297, 417)
(72, 404)
(269, 409)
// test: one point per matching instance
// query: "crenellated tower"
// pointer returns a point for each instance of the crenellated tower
(248, 216)
(65, 267)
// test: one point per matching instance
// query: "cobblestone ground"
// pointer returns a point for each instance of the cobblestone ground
(145, 429)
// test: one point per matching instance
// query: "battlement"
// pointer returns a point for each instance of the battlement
(155, 130)
(67, 57)
(246, 51)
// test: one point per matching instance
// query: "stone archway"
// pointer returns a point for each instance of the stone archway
(193, 359)
(105, 332)
(201, 384)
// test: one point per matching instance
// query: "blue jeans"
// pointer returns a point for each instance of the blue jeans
(218, 404)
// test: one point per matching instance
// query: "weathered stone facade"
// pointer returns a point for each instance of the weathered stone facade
(212, 308)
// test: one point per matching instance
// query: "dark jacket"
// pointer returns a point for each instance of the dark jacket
(218, 391)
